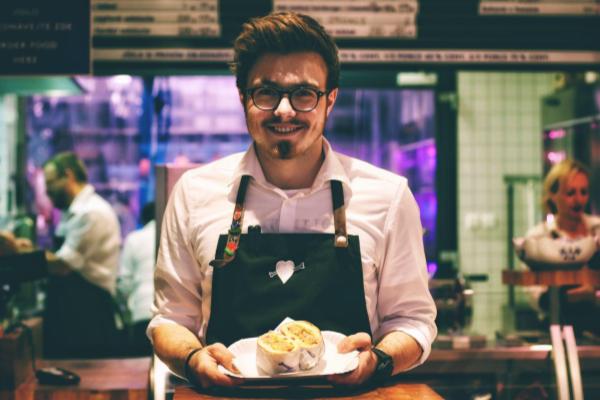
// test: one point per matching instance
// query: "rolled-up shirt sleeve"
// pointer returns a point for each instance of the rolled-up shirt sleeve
(177, 297)
(79, 239)
(404, 302)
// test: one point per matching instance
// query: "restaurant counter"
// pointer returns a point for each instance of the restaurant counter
(492, 369)
(101, 379)
(399, 391)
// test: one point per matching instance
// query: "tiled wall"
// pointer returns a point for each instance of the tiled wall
(499, 133)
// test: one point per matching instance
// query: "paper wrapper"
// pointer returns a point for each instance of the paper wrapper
(272, 361)
(310, 354)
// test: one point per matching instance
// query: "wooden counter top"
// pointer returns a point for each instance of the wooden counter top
(398, 391)
(101, 379)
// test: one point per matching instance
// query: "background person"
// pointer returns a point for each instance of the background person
(566, 195)
(79, 315)
(135, 283)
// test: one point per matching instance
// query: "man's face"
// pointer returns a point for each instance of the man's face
(573, 196)
(56, 187)
(303, 131)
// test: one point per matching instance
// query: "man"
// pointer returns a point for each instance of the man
(79, 314)
(135, 282)
(294, 202)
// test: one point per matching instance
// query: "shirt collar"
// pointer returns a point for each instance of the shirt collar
(81, 198)
(332, 169)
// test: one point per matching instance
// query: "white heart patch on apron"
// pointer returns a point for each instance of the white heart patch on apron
(285, 270)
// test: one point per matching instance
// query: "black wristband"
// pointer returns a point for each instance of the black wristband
(186, 366)
(384, 368)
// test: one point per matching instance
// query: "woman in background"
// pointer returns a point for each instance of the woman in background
(566, 194)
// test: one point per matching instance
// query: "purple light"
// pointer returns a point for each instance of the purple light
(556, 134)
(556, 156)
(431, 151)
(431, 269)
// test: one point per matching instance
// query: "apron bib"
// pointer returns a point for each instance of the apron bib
(263, 278)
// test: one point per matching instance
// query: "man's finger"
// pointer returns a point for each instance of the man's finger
(347, 378)
(355, 377)
(223, 356)
(360, 341)
(213, 377)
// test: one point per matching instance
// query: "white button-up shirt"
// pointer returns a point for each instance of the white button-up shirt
(137, 270)
(380, 209)
(92, 236)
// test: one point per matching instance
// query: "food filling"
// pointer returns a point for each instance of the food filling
(278, 342)
(303, 334)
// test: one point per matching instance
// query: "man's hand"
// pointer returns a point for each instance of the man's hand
(203, 367)
(56, 266)
(24, 245)
(367, 361)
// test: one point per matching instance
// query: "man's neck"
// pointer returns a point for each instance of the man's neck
(75, 189)
(295, 173)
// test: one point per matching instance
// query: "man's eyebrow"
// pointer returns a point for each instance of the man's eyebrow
(268, 82)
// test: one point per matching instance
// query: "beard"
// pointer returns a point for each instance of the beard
(283, 149)
(60, 200)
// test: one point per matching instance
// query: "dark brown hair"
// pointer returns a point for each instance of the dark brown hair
(283, 33)
(68, 160)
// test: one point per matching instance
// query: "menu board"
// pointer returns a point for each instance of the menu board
(39, 38)
(183, 36)
(540, 7)
(359, 19)
(156, 18)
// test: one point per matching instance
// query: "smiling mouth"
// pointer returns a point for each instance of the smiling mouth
(284, 130)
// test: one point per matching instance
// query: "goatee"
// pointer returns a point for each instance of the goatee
(283, 149)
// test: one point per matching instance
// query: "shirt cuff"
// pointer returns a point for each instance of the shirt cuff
(415, 332)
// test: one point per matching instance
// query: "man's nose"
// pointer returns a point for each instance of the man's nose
(284, 109)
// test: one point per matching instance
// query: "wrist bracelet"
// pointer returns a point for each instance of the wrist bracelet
(186, 366)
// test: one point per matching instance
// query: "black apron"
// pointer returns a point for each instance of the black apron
(326, 287)
(79, 318)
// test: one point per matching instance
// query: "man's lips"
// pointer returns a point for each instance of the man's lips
(284, 130)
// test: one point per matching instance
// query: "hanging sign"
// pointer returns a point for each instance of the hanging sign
(39, 38)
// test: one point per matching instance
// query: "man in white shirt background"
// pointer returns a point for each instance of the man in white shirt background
(79, 314)
(135, 283)
(351, 232)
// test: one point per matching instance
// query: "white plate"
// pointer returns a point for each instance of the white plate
(332, 362)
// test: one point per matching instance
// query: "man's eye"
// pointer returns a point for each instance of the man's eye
(304, 93)
(267, 92)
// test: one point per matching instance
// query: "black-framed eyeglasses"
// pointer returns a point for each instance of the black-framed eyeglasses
(302, 98)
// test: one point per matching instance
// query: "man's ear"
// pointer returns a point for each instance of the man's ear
(331, 97)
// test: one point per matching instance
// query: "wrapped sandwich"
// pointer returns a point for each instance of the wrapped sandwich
(295, 346)
(309, 339)
(276, 353)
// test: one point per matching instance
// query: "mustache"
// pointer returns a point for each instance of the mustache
(278, 120)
